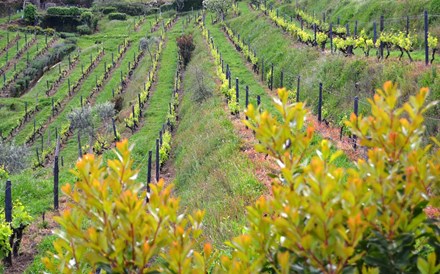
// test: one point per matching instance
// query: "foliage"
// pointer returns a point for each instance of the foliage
(107, 10)
(186, 47)
(36, 67)
(83, 29)
(220, 7)
(123, 232)
(117, 16)
(30, 14)
(201, 90)
(5, 234)
(13, 158)
(20, 216)
(165, 148)
(65, 11)
(3, 173)
(350, 222)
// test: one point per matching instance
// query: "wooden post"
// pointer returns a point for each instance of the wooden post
(157, 160)
(150, 154)
(347, 28)
(282, 79)
(237, 90)
(407, 25)
(79, 145)
(320, 103)
(56, 177)
(230, 80)
(271, 78)
(262, 70)
(426, 38)
(355, 28)
(331, 37)
(8, 217)
(374, 32)
(356, 107)
(53, 107)
(297, 88)
(381, 30)
(115, 132)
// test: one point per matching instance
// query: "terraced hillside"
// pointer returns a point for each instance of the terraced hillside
(250, 136)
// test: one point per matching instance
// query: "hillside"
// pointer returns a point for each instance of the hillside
(251, 137)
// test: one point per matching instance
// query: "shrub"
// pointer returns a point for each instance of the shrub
(108, 10)
(124, 234)
(30, 14)
(186, 47)
(117, 16)
(13, 158)
(64, 11)
(87, 18)
(83, 29)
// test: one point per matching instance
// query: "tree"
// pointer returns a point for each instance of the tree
(13, 158)
(220, 7)
(147, 44)
(87, 121)
(30, 14)
(180, 4)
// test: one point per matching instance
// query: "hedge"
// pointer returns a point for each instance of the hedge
(117, 16)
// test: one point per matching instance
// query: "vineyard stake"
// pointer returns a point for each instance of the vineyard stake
(355, 28)
(331, 37)
(79, 145)
(320, 103)
(8, 216)
(297, 88)
(356, 109)
(426, 38)
(271, 78)
(381, 30)
(150, 153)
(237, 90)
(56, 172)
(374, 32)
(157, 160)
(282, 79)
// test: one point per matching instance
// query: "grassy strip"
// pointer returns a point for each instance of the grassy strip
(156, 114)
(208, 158)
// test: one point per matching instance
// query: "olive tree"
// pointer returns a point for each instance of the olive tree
(220, 7)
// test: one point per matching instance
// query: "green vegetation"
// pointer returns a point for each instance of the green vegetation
(207, 155)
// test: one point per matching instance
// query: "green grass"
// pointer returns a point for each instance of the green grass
(211, 173)
(43, 247)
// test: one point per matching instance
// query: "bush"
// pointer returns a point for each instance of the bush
(13, 158)
(64, 11)
(108, 10)
(113, 205)
(186, 47)
(83, 29)
(30, 14)
(87, 18)
(117, 16)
